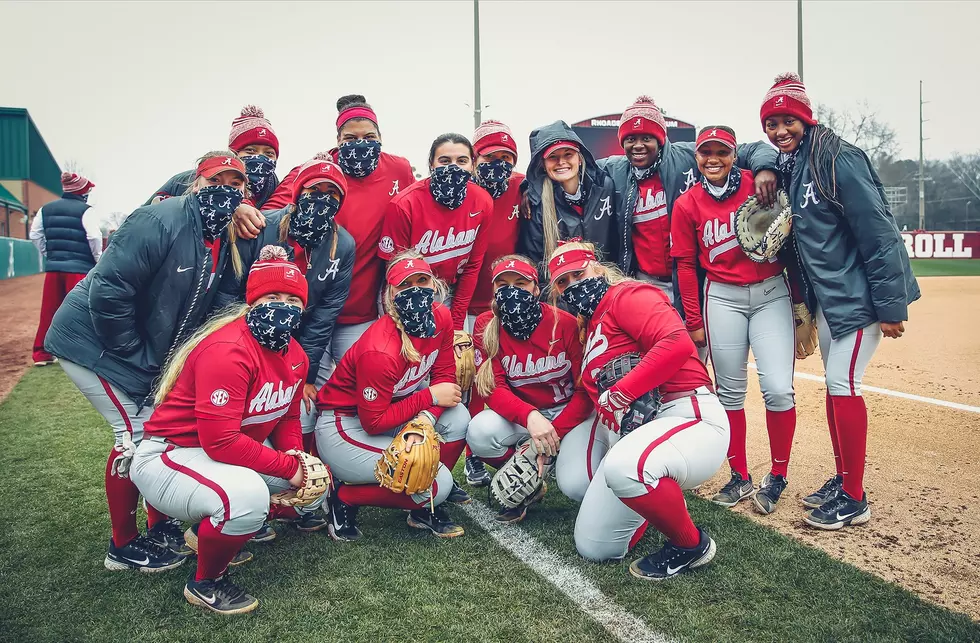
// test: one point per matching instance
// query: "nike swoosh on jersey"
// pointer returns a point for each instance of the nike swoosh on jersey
(766, 292)
(476, 214)
(295, 366)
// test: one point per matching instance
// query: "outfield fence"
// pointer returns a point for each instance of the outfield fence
(20, 258)
(942, 245)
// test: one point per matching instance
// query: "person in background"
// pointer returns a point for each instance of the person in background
(66, 233)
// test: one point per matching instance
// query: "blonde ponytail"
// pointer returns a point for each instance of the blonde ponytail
(176, 364)
(549, 217)
(491, 346)
(408, 351)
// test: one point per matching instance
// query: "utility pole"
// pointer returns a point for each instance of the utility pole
(799, 38)
(477, 100)
(922, 169)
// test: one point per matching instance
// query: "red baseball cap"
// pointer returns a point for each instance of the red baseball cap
(559, 145)
(405, 268)
(522, 268)
(717, 135)
(217, 164)
(494, 136)
(569, 261)
(319, 171)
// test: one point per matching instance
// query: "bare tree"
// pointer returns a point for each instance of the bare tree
(967, 170)
(111, 222)
(861, 126)
(72, 165)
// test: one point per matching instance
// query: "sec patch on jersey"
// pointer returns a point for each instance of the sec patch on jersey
(219, 397)
(369, 394)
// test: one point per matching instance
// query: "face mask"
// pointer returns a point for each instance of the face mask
(731, 186)
(494, 176)
(217, 203)
(309, 224)
(273, 323)
(520, 311)
(259, 169)
(414, 306)
(583, 296)
(448, 185)
(359, 158)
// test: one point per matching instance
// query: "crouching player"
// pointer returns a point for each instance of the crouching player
(401, 369)
(527, 376)
(226, 433)
(640, 481)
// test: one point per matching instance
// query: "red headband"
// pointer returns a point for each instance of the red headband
(405, 268)
(218, 164)
(356, 112)
(718, 135)
(522, 268)
(569, 261)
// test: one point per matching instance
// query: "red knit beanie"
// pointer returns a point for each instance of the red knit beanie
(787, 96)
(493, 136)
(643, 117)
(75, 184)
(252, 128)
(319, 171)
(273, 273)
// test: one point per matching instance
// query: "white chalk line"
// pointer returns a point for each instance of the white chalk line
(899, 394)
(616, 620)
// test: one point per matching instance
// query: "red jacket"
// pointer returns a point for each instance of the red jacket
(384, 389)
(452, 241)
(703, 229)
(362, 216)
(231, 396)
(505, 226)
(538, 373)
(637, 317)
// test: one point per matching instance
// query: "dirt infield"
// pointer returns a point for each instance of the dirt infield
(923, 475)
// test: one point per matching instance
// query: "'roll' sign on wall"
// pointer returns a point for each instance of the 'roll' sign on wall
(942, 245)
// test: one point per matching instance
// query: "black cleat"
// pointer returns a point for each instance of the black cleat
(143, 554)
(190, 537)
(737, 489)
(219, 595)
(265, 534)
(170, 534)
(310, 521)
(342, 524)
(458, 496)
(438, 522)
(476, 472)
(839, 512)
(672, 560)
(768, 495)
(830, 490)
(510, 516)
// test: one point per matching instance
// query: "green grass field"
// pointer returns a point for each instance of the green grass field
(397, 583)
(945, 267)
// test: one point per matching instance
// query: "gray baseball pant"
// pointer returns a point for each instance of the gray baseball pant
(344, 336)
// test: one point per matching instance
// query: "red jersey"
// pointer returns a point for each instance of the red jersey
(703, 228)
(384, 389)
(636, 317)
(503, 241)
(231, 396)
(361, 215)
(537, 373)
(453, 242)
(651, 228)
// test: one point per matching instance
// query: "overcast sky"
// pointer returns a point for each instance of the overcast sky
(133, 92)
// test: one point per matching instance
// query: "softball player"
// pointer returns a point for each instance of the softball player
(640, 480)
(150, 290)
(529, 355)
(446, 218)
(225, 432)
(747, 305)
(402, 367)
(855, 276)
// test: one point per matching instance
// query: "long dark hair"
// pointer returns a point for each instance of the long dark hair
(825, 146)
(450, 137)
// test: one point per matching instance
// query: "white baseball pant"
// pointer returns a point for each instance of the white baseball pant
(687, 441)
(115, 406)
(344, 336)
(846, 358)
(759, 316)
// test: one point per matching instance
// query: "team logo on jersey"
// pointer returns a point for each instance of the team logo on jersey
(219, 397)
(477, 356)
(719, 237)
(594, 347)
(689, 181)
(414, 375)
(271, 397)
(810, 196)
(386, 244)
(369, 394)
(513, 215)
(432, 242)
(530, 370)
(331, 271)
(605, 209)
(394, 188)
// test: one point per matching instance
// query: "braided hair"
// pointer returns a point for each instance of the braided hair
(825, 146)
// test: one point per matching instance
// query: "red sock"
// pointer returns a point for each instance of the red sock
(642, 529)
(781, 426)
(736, 444)
(281, 512)
(215, 550)
(123, 497)
(852, 431)
(834, 442)
(154, 516)
(309, 444)
(498, 461)
(373, 495)
(663, 507)
(449, 453)
(468, 451)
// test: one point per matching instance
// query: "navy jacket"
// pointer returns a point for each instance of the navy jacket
(148, 293)
(851, 260)
(595, 224)
(328, 280)
(65, 242)
(178, 184)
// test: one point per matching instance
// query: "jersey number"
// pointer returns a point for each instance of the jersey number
(563, 390)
